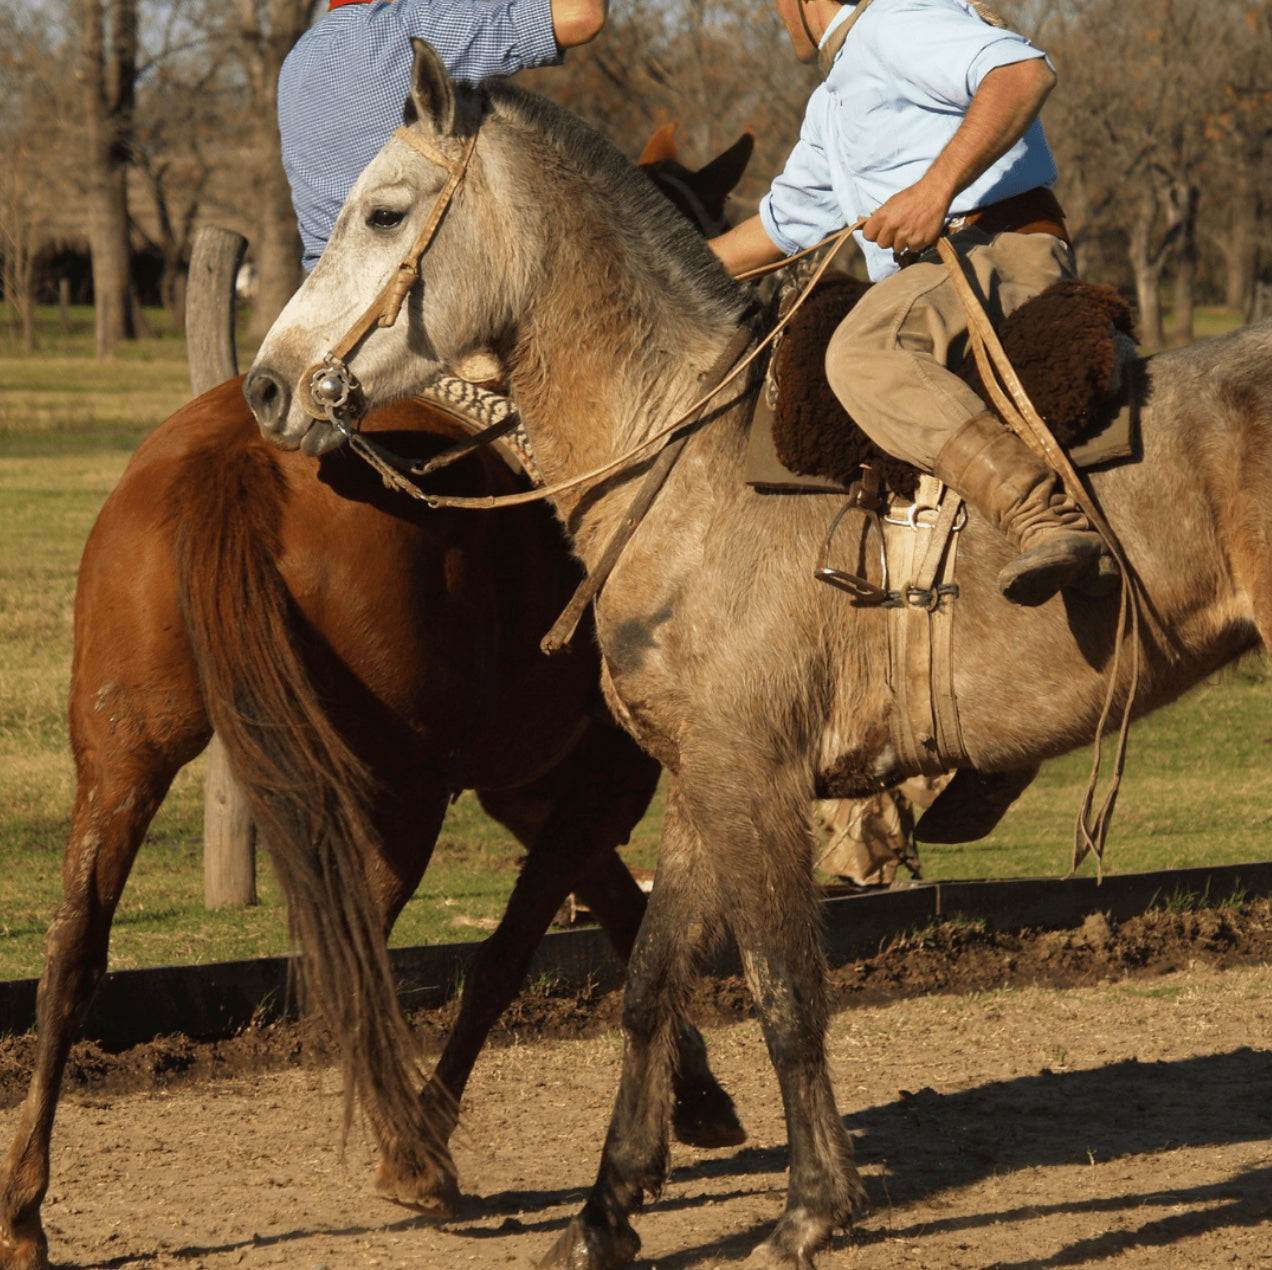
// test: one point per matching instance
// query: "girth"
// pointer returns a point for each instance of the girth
(917, 542)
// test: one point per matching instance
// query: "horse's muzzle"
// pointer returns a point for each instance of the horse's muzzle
(273, 405)
(268, 397)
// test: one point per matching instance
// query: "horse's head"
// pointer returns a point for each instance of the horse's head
(419, 214)
(441, 223)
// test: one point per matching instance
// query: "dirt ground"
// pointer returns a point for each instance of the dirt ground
(1029, 1100)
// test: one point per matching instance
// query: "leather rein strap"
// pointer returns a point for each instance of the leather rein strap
(391, 471)
(1018, 412)
(563, 628)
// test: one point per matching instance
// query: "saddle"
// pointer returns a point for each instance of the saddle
(1072, 348)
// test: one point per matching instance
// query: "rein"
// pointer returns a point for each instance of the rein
(391, 471)
(1017, 410)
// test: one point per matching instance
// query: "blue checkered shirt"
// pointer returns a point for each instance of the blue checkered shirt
(342, 87)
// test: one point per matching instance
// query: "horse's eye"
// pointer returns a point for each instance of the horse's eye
(385, 218)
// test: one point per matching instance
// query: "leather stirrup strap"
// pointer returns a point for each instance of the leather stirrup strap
(927, 735)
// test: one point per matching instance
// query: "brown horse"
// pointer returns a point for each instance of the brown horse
(364, 660)
(756, 686)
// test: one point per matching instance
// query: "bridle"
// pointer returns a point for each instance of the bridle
(329, 389)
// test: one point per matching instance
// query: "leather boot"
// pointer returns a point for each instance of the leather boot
(1006, 481)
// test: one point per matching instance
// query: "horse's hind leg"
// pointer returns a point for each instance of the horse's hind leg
(412, 806)
(571, 822)
(117, 793)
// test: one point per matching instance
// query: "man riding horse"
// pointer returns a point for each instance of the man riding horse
(927, 122)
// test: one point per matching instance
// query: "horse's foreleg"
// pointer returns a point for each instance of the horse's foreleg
(111, 814)
(682, 914)
(772, 910)
(571, 821)
(608, 795)
(703, 1114)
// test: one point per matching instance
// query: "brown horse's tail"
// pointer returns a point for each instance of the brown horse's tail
(308, 791)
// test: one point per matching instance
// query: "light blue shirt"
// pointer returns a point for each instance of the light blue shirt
(898, 90)
(343, 85)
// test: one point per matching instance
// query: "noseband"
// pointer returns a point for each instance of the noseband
(329, 389)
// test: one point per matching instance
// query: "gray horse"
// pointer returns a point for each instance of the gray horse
(756, 686)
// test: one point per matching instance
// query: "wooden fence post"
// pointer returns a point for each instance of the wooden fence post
(229, 836)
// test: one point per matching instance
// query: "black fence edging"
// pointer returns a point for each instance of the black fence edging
(212, 1001)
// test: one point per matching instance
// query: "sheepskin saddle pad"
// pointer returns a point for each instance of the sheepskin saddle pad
(1072, 348)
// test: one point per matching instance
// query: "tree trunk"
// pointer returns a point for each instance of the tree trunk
(7, 289)
(277, 254)
(26, 298)
(277, 248)
(107, 74)
(1186, 270)
(1147, 272)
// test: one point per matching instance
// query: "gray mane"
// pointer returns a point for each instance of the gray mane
(621, 188)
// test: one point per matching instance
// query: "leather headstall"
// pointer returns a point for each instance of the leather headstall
(329, 389)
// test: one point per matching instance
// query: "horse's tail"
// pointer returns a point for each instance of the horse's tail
(309, 792)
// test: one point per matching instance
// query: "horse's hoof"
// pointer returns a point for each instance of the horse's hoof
(768, 1257)
(26, 1251)
(706, 1117)
(584, 1247)
(434, 1195)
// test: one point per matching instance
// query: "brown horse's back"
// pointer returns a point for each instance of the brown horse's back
(437, 613)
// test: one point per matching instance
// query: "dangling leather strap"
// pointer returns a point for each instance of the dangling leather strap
(1013, 404)
(558, 638)
(827, 53)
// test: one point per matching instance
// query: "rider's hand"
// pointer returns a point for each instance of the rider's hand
(911, 220)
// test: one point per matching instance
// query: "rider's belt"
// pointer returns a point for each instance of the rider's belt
(1036, 211)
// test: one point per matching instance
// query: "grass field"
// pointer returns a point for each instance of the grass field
(1197, 787)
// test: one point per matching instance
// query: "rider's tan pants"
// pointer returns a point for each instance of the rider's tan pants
(887, 360)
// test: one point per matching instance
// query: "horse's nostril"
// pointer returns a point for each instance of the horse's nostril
(267, 396)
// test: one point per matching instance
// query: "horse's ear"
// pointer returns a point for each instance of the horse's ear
(723, 173)
(432, 96)
(662, 145)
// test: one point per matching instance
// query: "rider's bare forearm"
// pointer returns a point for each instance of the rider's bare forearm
(1006, 103)
(576, 22)
(746, 246)
(1004, 106)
